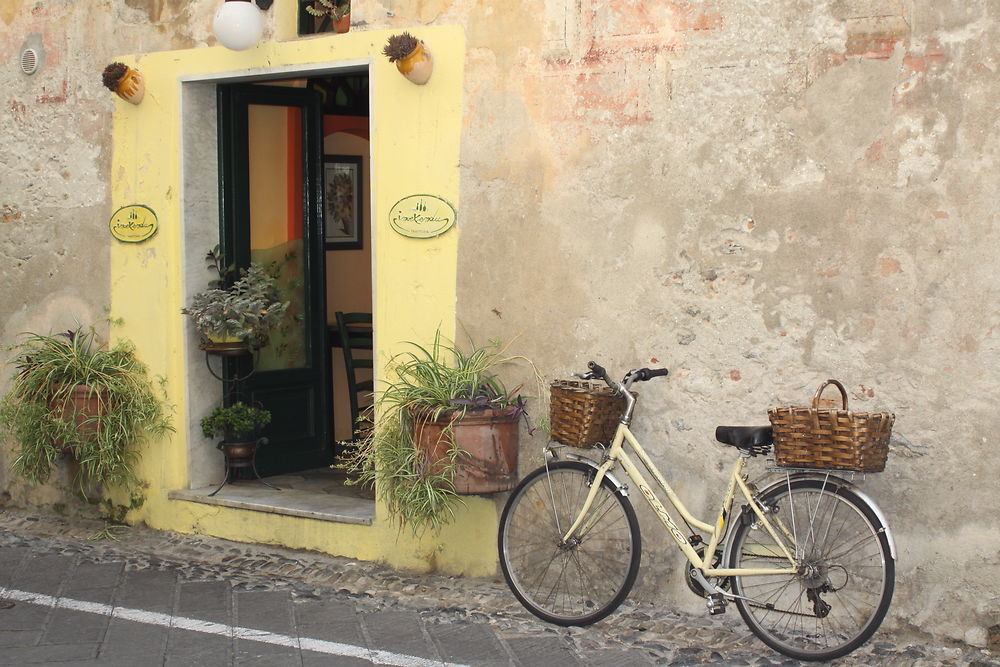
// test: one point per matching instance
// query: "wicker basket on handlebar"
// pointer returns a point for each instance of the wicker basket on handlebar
(829, 438)
(583, 413)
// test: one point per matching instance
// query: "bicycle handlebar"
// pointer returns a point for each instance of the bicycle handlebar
(597, 372)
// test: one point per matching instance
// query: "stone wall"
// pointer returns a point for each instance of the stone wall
(55, 185)
(758, 195)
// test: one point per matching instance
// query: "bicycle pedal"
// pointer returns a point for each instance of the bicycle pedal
(716, 604)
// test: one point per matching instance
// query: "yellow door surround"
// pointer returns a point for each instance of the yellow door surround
(415, 132)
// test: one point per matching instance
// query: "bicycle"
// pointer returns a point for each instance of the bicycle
(809, 560)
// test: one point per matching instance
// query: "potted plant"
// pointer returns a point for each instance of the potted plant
(339, 12)
(72, 394)
(238, 424)
(412, 58)
(240, 315)
(446, 426)
(124, 81)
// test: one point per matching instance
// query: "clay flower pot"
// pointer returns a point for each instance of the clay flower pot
(417, 65)
(131, 87)
(83, 406)
(489, 442)
(343, 24)
(124, 81)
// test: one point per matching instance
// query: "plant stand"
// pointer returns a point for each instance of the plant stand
(231, 351)
(239, 455)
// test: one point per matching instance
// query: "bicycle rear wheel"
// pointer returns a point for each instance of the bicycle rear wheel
(842, 591)
(585, 579)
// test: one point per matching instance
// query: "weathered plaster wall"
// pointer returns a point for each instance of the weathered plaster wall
(758, 196)
(55, 180)
(55, 161)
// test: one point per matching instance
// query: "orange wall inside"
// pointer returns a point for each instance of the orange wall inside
(348, 272)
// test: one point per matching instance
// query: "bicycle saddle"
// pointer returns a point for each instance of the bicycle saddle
(751, 439)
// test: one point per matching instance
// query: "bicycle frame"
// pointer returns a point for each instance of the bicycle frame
(617, 454)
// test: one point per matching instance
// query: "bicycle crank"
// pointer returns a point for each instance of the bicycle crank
(718, 593)
(694, 585)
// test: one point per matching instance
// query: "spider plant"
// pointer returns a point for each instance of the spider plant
(430, 383)
(43, 420)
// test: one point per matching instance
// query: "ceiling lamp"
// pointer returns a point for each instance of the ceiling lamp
(239, 24)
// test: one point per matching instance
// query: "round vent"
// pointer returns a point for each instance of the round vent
(29, 61)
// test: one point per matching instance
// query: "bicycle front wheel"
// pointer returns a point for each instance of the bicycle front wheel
(844, 585)
(581, 580)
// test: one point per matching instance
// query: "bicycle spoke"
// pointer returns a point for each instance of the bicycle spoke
(584, 578)
(844, 583)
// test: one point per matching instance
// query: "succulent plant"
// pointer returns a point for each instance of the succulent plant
(399, 46)
(112, 74)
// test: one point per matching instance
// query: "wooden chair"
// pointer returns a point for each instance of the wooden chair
(355, 331)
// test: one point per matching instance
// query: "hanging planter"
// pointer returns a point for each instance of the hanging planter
(82, 405)
(487, 441)
(124, 81)
(412, 58)
(447, 426)
(70, 392)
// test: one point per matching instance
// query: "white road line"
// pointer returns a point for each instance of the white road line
(223, 630)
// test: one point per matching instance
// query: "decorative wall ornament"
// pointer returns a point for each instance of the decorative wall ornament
(133, 223)
(124, 81)
(422, 216)
(412, 57)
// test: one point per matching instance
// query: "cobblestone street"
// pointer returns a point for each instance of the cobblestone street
(154, 598)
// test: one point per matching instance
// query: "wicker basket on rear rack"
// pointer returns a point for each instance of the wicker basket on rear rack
(828, 438)
(583, 413)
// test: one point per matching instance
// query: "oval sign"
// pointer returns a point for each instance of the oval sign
(133, 223)
(422, 216)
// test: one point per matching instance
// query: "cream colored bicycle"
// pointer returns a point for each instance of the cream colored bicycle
(809, 559)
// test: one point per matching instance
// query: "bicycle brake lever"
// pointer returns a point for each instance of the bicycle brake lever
(583, 376)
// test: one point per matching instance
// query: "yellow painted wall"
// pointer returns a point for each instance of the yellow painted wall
(415, 149)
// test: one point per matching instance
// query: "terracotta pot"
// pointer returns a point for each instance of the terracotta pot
(489, 440)
(80, 406)
(343, 24)
(131, 87)
(418, 65)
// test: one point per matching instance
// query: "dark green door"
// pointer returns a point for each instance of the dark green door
(270, 142)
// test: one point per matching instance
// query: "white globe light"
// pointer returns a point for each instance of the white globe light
(238, 24)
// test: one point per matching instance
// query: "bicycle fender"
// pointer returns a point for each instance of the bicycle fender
(619, 487)
(838, 481)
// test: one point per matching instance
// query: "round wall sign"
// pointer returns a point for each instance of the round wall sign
(133, 223)
(422, 216)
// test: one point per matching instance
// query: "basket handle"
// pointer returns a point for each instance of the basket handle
(819, 392)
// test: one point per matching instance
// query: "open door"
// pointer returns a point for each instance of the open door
(270, 156)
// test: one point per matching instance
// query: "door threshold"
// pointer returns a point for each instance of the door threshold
(312, 494)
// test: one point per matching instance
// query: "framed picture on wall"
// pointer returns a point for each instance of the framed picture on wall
(342, 220)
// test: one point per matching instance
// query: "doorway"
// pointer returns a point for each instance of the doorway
(285, 147)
